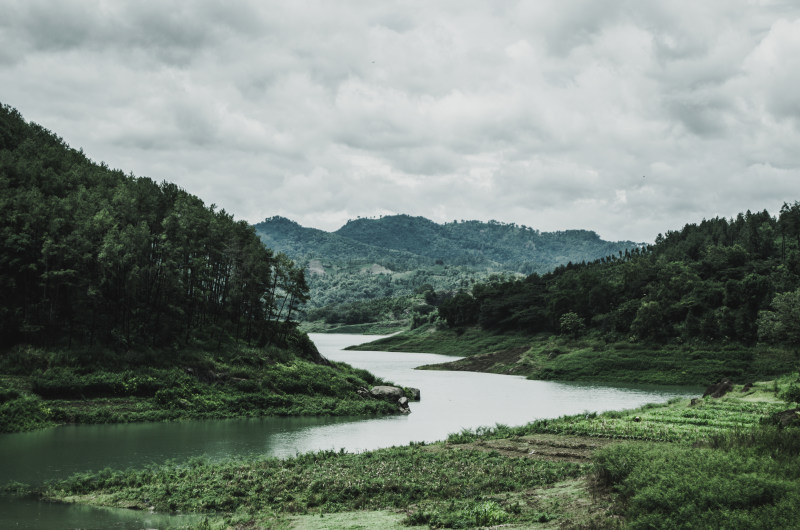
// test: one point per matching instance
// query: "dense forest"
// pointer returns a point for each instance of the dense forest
(91, 256)
(722, 280)
(488, 245)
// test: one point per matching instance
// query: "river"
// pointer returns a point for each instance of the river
(451, 401)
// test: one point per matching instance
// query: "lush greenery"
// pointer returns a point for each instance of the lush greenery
(399, 268)
(122, 299)
(721, 463)
(717, 299)
(753, 483)
(90, 256)
(676, 421)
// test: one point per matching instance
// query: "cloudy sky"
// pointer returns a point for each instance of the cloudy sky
(626, 117)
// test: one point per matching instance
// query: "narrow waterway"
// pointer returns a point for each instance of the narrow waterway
(451, 401)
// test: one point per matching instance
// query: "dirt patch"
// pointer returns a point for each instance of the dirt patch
(315, 267)
(502, 361)
(557, 448)
(377, 269)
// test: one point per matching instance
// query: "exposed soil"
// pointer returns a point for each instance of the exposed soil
(553, 447)
(484, 362)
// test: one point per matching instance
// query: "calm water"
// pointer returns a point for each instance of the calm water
(451, 401)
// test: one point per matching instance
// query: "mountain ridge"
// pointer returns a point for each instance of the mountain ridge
(421, 241)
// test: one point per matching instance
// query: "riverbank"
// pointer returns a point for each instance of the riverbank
(559, 358)
(43, 388)
(713, 462)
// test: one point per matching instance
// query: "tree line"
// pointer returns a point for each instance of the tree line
(92, 257)
(721, 279)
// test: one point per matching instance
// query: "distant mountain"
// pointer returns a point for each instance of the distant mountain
(475, 243)
(410, 242)
(306, 244)
(401, 255)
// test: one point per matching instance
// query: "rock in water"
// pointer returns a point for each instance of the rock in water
(389, 393)
(402, 405)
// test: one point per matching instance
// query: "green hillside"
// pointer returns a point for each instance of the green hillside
(123, 299)
(502, 246)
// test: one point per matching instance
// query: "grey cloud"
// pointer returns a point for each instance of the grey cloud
(542, 113)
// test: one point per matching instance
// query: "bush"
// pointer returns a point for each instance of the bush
(681, 487)
(23, 414)
(791, 394)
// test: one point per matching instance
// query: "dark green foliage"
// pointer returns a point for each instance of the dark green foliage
(474, 243)
(708, 282)
(746, 485)
(399, 256)
(92, 257)
(23, 414)
(572, 325)
(250, 383)
(460, 310)
(791, 394)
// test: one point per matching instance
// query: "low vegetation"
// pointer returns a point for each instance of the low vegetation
(590, 358)
(41, 388)
(725, 462)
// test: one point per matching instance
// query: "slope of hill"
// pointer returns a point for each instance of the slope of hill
(122, 299)
(305, 244)
(716, 299)
(507, 247)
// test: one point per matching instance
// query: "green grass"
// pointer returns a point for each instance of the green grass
(451, 487)
(550, 357)
(745, 485)
(675, 421)
(244, 383)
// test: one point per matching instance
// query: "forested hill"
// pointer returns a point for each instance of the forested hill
(122, 300)
(474, 243)
(393, 268)
(92, 257)
(304, 244)
(401, 242)
(722, 280)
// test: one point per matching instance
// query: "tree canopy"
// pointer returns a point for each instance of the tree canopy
(91, 256)
(718, 280)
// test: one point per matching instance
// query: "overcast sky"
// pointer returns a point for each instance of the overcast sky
(629, 118)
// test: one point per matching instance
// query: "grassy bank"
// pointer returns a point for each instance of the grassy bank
(447, 341)
(551, 357)
(370, 328)
(721, 463)
(40, 388)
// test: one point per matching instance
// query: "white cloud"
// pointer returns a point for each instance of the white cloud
(630, 118)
